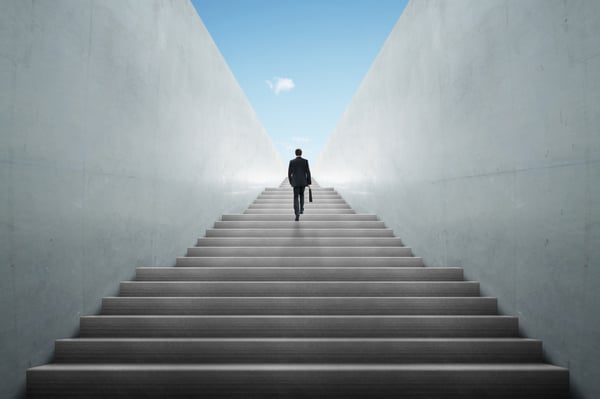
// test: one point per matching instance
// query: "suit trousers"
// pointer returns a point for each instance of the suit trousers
(299, 199)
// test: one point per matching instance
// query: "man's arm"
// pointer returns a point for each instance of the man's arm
(308, 174)
(290, 173)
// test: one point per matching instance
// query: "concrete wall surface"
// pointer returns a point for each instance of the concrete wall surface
(124, 136)
(476, 137)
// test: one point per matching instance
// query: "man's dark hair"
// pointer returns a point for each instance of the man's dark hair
(298, 152)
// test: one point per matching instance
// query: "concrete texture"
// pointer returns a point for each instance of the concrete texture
(475, 136)
(123, 137)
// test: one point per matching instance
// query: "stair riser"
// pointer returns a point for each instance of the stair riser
(300, 233)
(313, 383)
(299, 251)
(286, 218)
(294, 274)
(283, 201)
(307, 206)
(299, 326)
(276, 288)
(298, 351)
(299, 306)
(307, 211)
(290, 194)
(288, 199)
(299, 242)
(305, 261)
(275, 382)
(301, 224)
(289, 189)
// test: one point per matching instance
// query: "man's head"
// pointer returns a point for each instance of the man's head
(298, 152)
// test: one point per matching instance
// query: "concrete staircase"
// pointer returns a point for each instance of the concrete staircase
(333, 306)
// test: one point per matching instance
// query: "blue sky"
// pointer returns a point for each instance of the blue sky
(299, 61)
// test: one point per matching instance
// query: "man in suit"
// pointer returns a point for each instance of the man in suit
(299, 177)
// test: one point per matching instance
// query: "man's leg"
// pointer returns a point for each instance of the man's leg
(301, 199)
(296, 204)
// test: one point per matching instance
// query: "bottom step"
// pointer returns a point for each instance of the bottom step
(298, 381)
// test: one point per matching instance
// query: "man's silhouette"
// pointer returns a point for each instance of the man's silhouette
(299, 177)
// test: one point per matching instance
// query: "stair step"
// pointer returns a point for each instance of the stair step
(288, 202)
(298, 350)
(291, 190)
(307, 205)
(307, 211)
(304, 261)
(310, 224)
(295, 232)
(299, 242)
(299, 306)
(290, 197)
(235, 381)
(474, 381)
(299, 326)
(299, 288)
(311, 217)
(299, 273)
(290, 193)
(299, 251)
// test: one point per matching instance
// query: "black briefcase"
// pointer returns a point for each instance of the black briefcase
(309, 194)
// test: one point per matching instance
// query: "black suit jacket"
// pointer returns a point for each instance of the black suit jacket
(299, 173)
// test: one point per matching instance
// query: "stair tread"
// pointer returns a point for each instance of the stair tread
(301, 282)
(303, 257)
(305, 248)
(306, 261)
(295, 339)
(326, 318)
(391, 297)
(296, 232)
(295, 251)
(302, 241)
(324, 367)
(405, 268)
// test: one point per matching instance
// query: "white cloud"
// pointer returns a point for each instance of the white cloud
(280, 84)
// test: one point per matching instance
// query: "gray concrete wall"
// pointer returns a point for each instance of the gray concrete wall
(123, 136)
(476, 137)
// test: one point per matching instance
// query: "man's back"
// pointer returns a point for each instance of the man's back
(299, 172)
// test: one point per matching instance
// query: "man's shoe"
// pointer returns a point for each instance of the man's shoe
(302, 211)
(297, 217)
